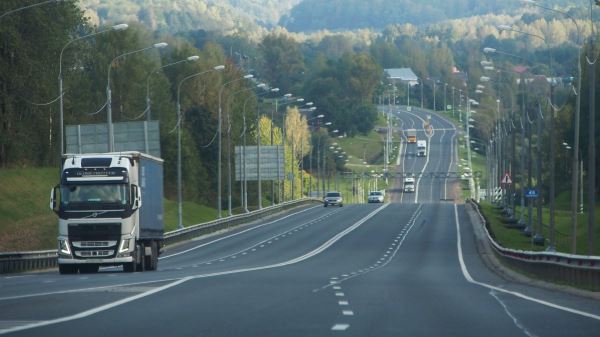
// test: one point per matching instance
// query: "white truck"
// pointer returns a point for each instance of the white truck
(421, 148)
(102, 221)
(409, 185)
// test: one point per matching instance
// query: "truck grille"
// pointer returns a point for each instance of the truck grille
(95, 232)
(94, 253)
(94, 244)
(87, 238)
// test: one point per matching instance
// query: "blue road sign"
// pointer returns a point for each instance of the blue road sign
(533, 193)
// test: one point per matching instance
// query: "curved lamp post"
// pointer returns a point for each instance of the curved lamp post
(111, 144)
(118, 27)
(148, 103)
(219, 131)
(179, 124)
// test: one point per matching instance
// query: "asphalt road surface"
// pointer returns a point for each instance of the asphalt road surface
(407, 268)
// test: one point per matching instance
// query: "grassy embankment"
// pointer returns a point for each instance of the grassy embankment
(27, 223)
(513, 238)
(370, 149)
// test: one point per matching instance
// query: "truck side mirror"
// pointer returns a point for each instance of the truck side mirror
(53, 199)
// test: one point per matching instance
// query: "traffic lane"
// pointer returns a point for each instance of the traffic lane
(47, 282)
(211, 250)
(269, 301)
(482, 273)
(17, 311)
(422, 292)
(75, 302)
(281, 248)
(51, 284)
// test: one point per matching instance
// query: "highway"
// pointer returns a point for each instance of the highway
(406, 268)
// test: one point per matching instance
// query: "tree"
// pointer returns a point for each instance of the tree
(282, 63)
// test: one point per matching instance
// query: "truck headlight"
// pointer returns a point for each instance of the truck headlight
(63, 247)
(124, 246)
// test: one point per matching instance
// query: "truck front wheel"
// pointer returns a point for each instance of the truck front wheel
(151, 260)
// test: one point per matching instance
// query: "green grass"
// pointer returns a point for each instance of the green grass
(513, 238)
(193, 214)
(369, 146)
(27, 223)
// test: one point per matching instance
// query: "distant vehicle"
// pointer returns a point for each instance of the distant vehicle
(375, 196)
(409, 185)
(411, 135)
(333, 199)
(102, 221)
(421, 148)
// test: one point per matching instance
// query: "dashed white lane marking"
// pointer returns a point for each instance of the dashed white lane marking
(236, 234)
(343, 303)
(467, 275)
(514, 319)
(339, 294)
(337, 287)
(347, 312)
(108, 306)
(340, 327)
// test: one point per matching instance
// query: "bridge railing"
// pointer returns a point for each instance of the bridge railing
(14, 262)
(576, 270)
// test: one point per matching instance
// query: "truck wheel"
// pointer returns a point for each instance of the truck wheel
(130, 267)
(152, 260)
(140, 253)
(67, 269)
(89, 268)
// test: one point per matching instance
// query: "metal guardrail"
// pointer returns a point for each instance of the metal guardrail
(578, 270)
(15, 262)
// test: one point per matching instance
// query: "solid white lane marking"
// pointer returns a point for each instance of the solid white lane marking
(93, 311)
(105, 307)
(236, 234)
(470, 279)
(347, 312)
(340, 327)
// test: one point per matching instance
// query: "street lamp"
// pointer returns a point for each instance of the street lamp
(187, 59)
(118, 27)
(111, 144)
(575, 163)
(434, 82)
(179, 124)
(12, 11)
(229, 184)
(219, 131)
(244, 188)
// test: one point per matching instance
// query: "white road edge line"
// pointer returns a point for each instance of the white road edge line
(93, 311)
(235, 234)
(108, 306)
(470, 279)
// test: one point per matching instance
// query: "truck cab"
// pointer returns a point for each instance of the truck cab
(421, 148)
(411, 136)
(409, 185)
(102, 221)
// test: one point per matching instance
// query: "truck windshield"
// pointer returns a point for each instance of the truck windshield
(76, 196)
